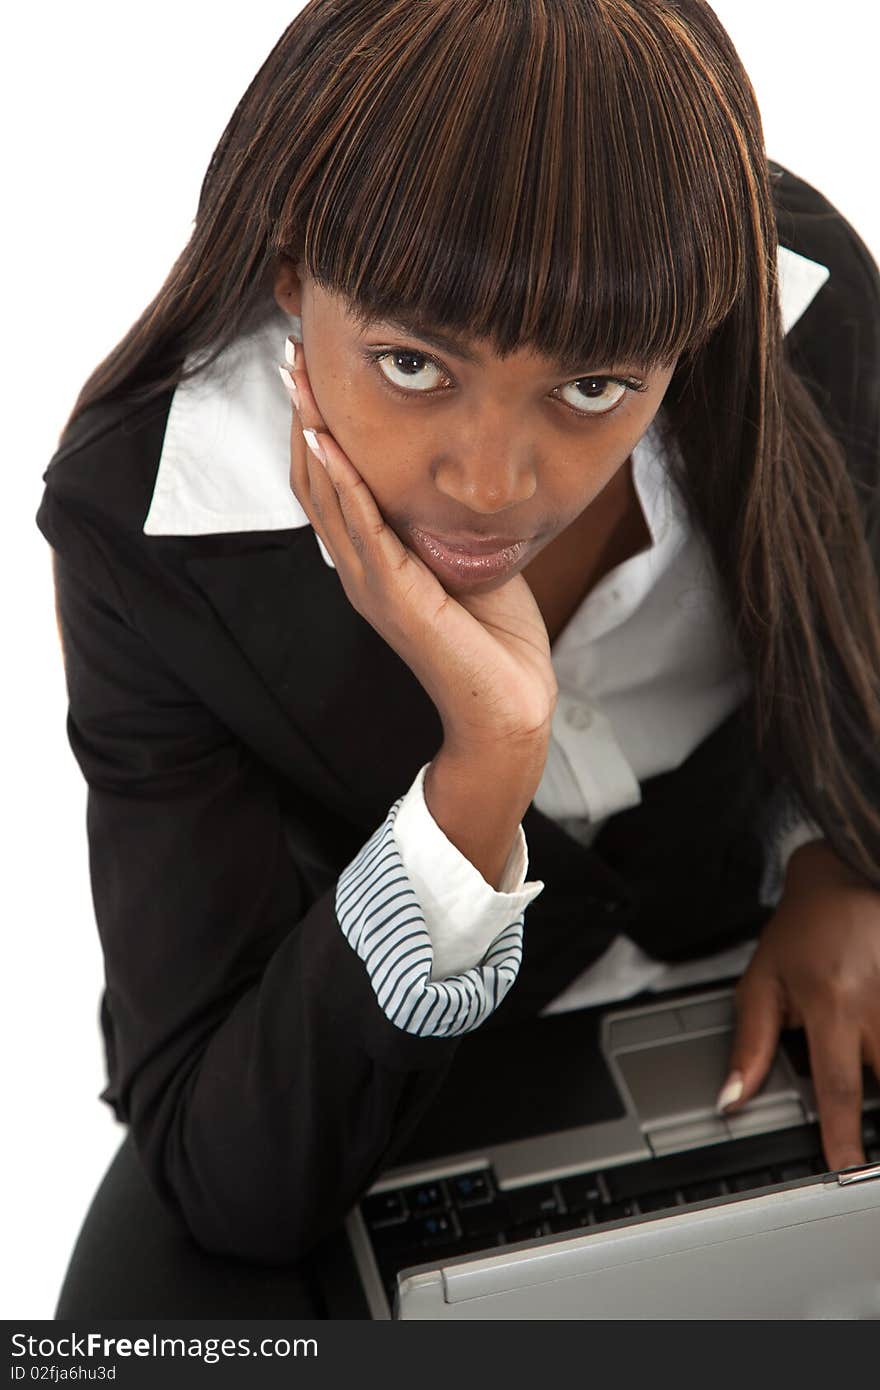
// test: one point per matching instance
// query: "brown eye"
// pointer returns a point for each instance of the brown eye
(406, 369)
(595, 395)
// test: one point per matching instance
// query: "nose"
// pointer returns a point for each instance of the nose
(486, 476)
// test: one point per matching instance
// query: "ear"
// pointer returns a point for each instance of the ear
(287, 287)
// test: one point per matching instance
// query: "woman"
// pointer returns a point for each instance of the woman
(525, 260)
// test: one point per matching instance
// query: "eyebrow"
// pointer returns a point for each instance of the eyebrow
(446, 342)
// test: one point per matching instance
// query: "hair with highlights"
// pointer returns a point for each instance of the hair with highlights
(587, 178)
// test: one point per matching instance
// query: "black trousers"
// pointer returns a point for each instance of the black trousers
(132, 1259)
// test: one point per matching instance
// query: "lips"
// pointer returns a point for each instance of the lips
(474, 545)
(467, 560)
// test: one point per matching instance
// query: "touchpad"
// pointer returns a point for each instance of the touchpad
(671, 1060)
(679, 1080)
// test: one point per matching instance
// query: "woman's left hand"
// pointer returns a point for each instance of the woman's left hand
(816, 967)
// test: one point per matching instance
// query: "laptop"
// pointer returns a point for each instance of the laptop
(573, 1166)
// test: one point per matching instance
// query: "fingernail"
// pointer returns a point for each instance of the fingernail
(315, 445)
(291, 386)
(730, 1091)
(290, 350)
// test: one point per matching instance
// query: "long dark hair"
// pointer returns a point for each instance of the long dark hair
(587, 177)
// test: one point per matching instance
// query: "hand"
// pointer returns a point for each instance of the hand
(816, 967)
(483, 659)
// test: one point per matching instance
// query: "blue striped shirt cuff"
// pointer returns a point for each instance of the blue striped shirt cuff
(381, 919)
(785, 829)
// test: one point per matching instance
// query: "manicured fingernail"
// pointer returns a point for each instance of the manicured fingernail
(291, 386)
(730, 1091)
(315, 445)
(290, 350)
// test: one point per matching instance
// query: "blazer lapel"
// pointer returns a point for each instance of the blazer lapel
(329, 675)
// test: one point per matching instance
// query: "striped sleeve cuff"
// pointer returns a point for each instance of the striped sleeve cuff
(380, 917)
(786, 829)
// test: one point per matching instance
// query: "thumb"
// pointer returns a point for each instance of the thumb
(758, 1025)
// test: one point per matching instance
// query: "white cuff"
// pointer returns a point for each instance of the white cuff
(463, 913)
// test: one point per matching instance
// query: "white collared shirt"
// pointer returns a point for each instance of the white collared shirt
(646, 668)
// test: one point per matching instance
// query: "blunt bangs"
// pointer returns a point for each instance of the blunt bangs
(568, 177)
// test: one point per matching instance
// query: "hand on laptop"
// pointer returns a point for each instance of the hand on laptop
(816, 967)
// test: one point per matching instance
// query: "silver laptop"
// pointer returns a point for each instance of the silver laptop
(574, 1167)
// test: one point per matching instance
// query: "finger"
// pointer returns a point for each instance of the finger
(309, 418)
(836, 1067)
(758, 1024)
(311, 485)
(871, 1052)
(871, 1059)
(306, 417)
(375, 542)
(299, 475)
(304, 401)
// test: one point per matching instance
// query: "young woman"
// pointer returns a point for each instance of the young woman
(564, 558)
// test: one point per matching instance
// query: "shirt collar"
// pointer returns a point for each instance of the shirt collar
(225, 460)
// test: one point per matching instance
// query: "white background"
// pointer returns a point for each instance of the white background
(112, 113)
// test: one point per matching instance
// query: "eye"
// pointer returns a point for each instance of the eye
(596, 395)
(411, 372)
(405, 368)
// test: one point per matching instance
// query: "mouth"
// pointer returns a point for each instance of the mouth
(467, 558)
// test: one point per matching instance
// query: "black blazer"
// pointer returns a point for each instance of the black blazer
(243, 731)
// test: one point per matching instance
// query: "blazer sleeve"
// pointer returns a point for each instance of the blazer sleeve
(268, 1060)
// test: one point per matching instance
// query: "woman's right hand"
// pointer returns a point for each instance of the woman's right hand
(484, 659)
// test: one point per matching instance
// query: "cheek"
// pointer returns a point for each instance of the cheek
(361, 428)
(379, 454)
(587, 472)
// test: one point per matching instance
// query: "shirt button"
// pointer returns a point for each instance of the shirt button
(579, 716)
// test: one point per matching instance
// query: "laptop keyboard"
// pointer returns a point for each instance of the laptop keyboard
(466, 1213)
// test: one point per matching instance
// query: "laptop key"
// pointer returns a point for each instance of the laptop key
(570, 1221)
(384, 1209)
(470, 1189)
(426, 1197)
(527, 1230)
(528, 1203)
(658, 1201)
(580, 1193)
(390, 1242)
(616, 1211)
(485, 1220)
(441, 1226)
